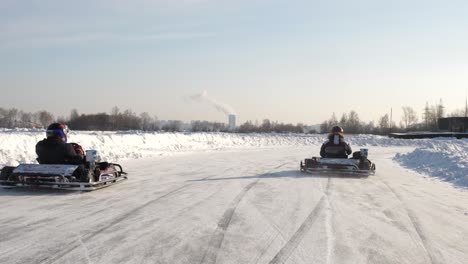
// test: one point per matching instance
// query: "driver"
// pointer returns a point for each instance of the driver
(336, 146)
(55, 150)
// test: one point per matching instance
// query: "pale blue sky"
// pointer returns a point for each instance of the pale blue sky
(291, 61)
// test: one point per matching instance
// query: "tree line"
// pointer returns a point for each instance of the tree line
(268, 126)
(12, 118)
(129, 120)
(409, 121)
(115, 120)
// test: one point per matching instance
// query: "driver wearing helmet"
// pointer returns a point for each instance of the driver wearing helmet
(55, 150)
(335, 147)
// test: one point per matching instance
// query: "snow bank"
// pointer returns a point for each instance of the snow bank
(446, 159)
(18, 145)
(443, 158)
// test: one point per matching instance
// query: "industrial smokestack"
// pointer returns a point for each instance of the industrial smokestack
(232, 122)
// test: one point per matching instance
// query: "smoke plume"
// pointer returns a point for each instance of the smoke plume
(203, 97)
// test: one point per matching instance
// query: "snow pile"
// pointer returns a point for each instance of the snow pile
(446, 159)
(18, 145)
(443, 158)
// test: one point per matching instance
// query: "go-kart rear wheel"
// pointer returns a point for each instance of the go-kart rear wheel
(6, 172)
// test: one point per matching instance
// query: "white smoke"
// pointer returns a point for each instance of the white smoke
(203, 97)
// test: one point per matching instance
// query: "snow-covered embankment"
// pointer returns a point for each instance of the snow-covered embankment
(446, 159)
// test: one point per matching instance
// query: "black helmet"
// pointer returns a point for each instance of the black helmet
(337, 129)
(58, 130)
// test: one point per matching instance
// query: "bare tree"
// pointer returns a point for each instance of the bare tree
(45, 118)
(218, 126)
(2, 117)
(115, 110)
(266, 126)
(409, 116)
(354, 124)
(61, 119)
(384, 124)
(326, 126)
(12, 117)
(368, 128)
(332, 121)
(145, 121)
(173, 126)
(115, 117)
(156, 124)
(74, 114)
(427, 115)
(130, 120)
(431, 115)
(27, 119)
(440, 110)
(344, 120)
(247, 127)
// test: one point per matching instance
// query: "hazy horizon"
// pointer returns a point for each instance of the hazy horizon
(290, 61)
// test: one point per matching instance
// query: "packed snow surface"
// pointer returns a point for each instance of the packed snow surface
(248, 205)
(230, 198)
(445, 159)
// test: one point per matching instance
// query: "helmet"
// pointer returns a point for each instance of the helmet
(57, 130)
(336, 130)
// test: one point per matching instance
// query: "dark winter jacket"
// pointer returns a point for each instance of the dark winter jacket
(335, 148)
(55, 151)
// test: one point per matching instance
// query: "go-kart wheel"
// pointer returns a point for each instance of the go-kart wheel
(6, 172)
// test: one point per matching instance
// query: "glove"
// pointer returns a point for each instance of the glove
(78, 149)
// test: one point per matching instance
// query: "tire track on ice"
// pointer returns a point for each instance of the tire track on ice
(329, 227)
(217, 238)
(286, 251)
(417, 227)
(279, 233)
(150, 249)
(73, 245)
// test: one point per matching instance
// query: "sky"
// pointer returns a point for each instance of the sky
(283, 60)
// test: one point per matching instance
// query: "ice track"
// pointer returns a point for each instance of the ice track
(243, 206)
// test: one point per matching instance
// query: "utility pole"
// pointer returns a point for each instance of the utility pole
(466, 102)
(391, 113)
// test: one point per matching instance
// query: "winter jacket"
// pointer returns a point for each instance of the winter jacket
(335, 147)
(55, 151)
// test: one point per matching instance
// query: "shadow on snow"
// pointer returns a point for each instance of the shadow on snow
(33, 191)
(285, 174)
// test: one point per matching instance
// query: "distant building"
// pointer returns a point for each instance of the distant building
(453, 124)
(232, 122)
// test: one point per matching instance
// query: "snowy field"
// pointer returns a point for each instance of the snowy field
(230, 198)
